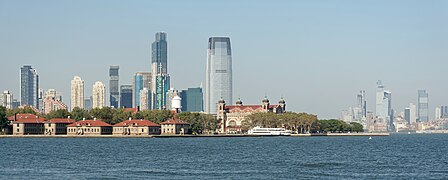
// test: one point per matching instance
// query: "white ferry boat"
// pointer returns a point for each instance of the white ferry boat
(269, 131)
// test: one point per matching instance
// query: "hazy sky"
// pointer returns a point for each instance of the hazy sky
(316, 54)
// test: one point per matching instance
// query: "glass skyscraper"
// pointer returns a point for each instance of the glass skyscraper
(218, 73)
(141, 80)
(113, 86)
(126, 96)
(29, 87)
(422, 106)
(192, 100)
(159, 68)
(383, 109)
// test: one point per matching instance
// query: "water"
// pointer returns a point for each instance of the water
(393, 157)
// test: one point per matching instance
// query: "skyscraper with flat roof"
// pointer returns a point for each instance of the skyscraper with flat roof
(218, 73)
(139, 81)
(98, 95)
(29, 86)
(77, 93)
(126, 96)
(113, 86)
(422, 106)
(192, 100)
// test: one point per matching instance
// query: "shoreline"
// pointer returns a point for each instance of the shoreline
(191, 136)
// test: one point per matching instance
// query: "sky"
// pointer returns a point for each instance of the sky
(317, 55)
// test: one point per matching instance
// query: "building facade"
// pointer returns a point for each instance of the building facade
(145, 99)
(6, 100)
(57, 126)
(89, 127)
(77, 93)
(159, 68)
(29, 87)
(422, 106)
(174, 126)
(136, 127)
(28, 125)
(114, 96)
(192, 100)
(383, 108)
(98, 95)
(218, 73)
(126, 96)
(140, 80)
(231, 118)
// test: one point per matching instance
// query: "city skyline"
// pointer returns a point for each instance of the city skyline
(309, 54)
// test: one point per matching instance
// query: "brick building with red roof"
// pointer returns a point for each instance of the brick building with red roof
(231, 118)
(26, 124)
(136, 127)
(57, 126)
(174, 126)
(89, 127)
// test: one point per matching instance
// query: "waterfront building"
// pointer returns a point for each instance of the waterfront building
(89, 127)
(145, 99)
(218, 73)
(438, 113)
(98, 95)
(126, 96)
(29, 87)
(114, 96)
(77, 93)
(136, 127)
(6, 100)
(140, 80)
(174, 126)
(26, 124)
(422, 106)
(231, 118)
(52, 101)
(57, 126)
(88, 103)
(192, 100)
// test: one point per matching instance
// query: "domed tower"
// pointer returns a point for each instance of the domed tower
(265, 103)
(176, 103)
(239, 102)
(282, 104)
(221, 115)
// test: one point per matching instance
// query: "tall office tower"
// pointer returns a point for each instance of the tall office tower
(444, 112)
(407, 115)
(6, 100)
(383, 109)
(422, 112)
(113, 86)
(192, 100)
(29, 86)
(77, 93)
(218, 73)
(139, 81)
(126, 96)
(438, 113)
(362, 103)
(169, 97)
(159, 69)
(413, 113)
(98, 95)
(145, 99)
(40, 100)
(52, 101)
(162, 85)
(88, 103)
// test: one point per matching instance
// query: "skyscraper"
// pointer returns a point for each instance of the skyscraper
(383, 108)
(144, 99)
(192, 100)
(77, 93)
(159, 69)
(29, 86)
(88, 103)
(113, 86)
(422, 106)
(99, 95)
(407, 115)
(6, 100)
(139, 81)
(52, 101)
(126, 96)
(438, 113)
(169, 97)
(444, 112)
(218, 73)
(362, 103)
(413, 113)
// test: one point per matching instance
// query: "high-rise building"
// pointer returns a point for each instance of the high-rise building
(77, 93)
(169, 97)
(126, 96)
(145, 99)
(383, 108)
(98, 95)
(444, 112)
(361, 98)
(29, 86)
(413, 113)
(139, 81)
(159, 69)
(407, 115)
(88, 103)
(218, 73)
(438, 113)
(422, 112)
(192, 100)
(6, 100)
(113, 86)
(52, 101)
(40, 100)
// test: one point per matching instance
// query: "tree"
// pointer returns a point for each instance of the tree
(120, 115)
(79, 114)
(3, 120)
(199, 123)
(106, 114)
(156, 116)
(60, 113)
(24, 110)
(356, 127)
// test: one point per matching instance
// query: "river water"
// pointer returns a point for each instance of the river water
(397, 156)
